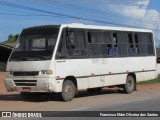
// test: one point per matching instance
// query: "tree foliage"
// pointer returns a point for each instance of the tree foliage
(11, 39)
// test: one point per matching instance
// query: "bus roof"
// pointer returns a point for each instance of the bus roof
(78, 25)
(95, 27)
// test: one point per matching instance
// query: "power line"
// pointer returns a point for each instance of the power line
(14, 11)
(91, 11)
(60, 14)
(33, 15)
(83, 9)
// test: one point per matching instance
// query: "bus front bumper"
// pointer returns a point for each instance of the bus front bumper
(30, 84)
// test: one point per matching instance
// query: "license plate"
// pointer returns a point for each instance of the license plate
(26, 89)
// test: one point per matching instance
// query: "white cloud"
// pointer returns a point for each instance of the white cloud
(129, 11)
(137, 11)
(152, 15)
(141, 3)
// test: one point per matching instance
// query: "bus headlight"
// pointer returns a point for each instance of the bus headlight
(48, 72)
(8, 73)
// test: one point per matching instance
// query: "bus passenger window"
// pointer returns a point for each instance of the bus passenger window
(137, 50)
(136, 44)
(116, 51)
(95, 39)
(114, 39)
(131, 46)
(76, 43)
(115, 44)
(131, 50)
(71, 42)
(89, 37)
(62, 48)
(109, 51)
(107, 44)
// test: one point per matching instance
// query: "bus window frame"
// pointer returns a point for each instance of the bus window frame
(88, 56)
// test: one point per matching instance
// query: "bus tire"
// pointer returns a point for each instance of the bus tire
(30, 96)
(94, 90)
(68, 90)
(129, 87)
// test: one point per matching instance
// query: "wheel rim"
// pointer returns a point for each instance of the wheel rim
(68, 90)
(130, 84)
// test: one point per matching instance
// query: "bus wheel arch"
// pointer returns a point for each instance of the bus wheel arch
(69, 88)
(130, 84)
(73, 79)
(135, 80)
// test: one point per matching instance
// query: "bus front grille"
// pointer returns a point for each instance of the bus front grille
(30, 73)
(25, 82)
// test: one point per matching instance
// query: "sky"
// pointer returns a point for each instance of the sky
(18, 14)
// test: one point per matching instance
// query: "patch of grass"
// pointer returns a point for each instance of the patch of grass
(157, 80)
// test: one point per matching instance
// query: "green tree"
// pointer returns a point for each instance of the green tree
(11, 39)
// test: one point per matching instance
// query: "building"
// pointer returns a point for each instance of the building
(158, 52)
(5, 51)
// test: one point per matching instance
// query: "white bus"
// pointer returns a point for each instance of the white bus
(69, 57)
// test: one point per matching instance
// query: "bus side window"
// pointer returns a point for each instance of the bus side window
(136, 44)
(145, 44)
(150, 44)
(115, 44)
(94, 43)
(131, 45)
(137, 50)
(70, 40)
(107, 44)
(62, 48)
(76, 43)
(109, 52)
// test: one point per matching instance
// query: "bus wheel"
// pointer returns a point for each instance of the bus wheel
(94, 90)
(129, 87)
(68, 90)
(30, 96)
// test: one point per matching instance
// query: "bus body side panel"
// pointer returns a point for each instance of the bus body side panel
(72, 67)
(114, 71)
(100, 72)
(147, 68)
(106, 72)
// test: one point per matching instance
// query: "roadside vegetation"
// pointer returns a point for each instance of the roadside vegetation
(11, 39)
(157, 80)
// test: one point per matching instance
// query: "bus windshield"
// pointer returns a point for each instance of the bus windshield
(35, 44)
